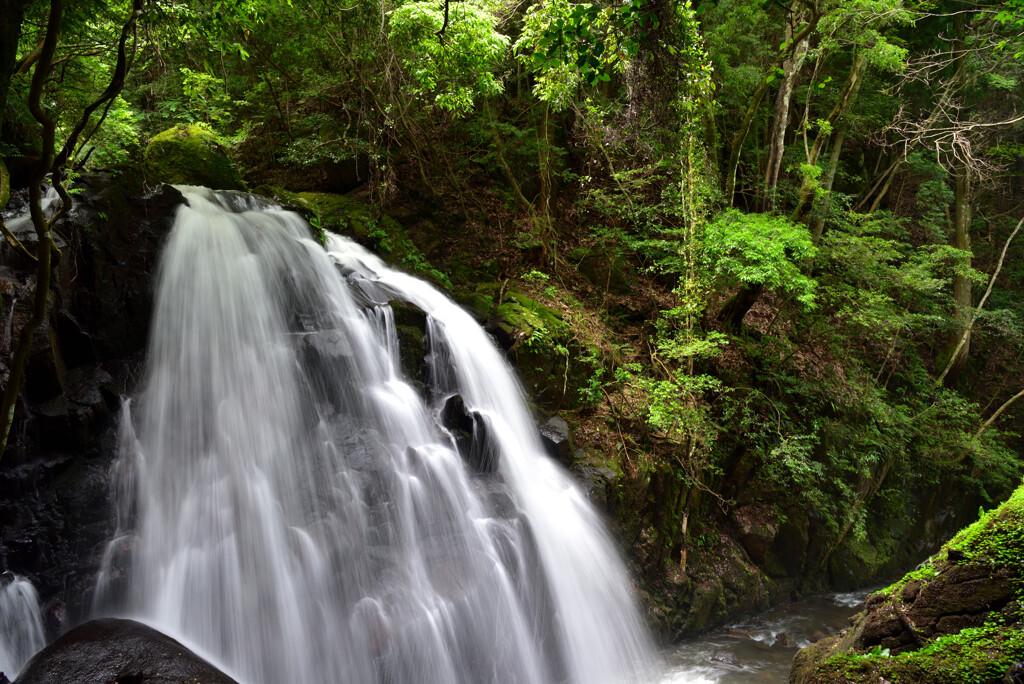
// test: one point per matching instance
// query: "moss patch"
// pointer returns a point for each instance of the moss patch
(347, 215)
(966, 605)
(190, 155)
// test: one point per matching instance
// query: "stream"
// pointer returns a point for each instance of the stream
(760, 649)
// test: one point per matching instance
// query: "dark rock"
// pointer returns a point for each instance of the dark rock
(950, 624)
(455, 417)
(783, 640)
(411, 331)
(1015, 675)
(113, 651)
(756, 530)
(910, 591)
(117, 229)
(557, 440)
(597, 480)
(726, 658)
(472, 433)
(881, 624)
(945, 595)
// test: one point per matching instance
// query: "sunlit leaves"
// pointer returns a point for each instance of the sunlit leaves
(453, 68)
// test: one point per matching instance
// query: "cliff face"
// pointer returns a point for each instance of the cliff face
(959, 617)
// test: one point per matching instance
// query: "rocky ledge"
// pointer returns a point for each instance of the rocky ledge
(959, 617)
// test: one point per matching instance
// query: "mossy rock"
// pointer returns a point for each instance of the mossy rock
(349, 216)
(190, 155)
(962, 612)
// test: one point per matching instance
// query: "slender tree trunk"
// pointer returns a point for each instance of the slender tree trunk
(809, 187)
(777, 142)
(958, 346)
(818, 222)
(748, 118)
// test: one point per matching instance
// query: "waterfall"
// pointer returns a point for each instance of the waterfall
(21, 624)
(294, 508)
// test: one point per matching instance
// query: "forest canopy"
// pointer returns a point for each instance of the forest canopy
(811, 205)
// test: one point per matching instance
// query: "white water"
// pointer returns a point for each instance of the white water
(292, 508)
(21, 624)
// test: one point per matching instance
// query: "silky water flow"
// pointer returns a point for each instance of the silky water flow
(291, 506)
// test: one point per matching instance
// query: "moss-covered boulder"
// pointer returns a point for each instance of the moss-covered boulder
(959, 617)
(190, 155)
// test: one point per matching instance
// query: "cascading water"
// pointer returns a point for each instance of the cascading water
(21, 624)
(292, 507)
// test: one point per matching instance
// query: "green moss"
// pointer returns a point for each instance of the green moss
(190, 155)
(980, 655)
(972, 655)
(349, 216)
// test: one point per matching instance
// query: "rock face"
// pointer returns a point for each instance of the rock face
(54, 490)
(112, 651)
(957, 618)
(190, 155)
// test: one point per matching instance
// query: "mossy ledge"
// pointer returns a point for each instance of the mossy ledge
(190, 155)
(959, 617)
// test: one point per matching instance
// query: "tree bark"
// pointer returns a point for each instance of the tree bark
(12, 13)
(777, 145)
(958, 346)
(808, 188)
(818, 222)
(748, 119)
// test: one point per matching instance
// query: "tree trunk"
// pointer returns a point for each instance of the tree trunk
(39, 222)
(777, 146)
(741, 133)
(809, 187)
(12, 13)
(818, 222)
(958, 345)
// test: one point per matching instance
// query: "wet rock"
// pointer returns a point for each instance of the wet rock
(783, 640)
(881, 624)
(106, 279)
(725, 658)
(411, 331)
(557, 440)
(472, 433)
(757, 530)
(120, 652)
(950, 624)
(910, 591)
(597, 479)
(456, 417)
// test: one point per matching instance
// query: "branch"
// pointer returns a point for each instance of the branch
(977, 311)
(112, 90)
(444, 26)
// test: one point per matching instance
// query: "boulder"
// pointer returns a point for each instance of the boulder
(557, 440)
(114, 651)
(472, 433)
(190, 155)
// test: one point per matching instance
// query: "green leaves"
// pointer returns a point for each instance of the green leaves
(761, 249)
(453, 69)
